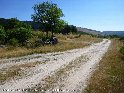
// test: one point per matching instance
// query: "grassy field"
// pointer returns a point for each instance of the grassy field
(66, 42)
(109, 78)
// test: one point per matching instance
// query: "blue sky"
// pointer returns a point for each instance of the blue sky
(101, 15)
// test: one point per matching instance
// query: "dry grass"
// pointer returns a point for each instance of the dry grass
(65, 43)
(6, 74)
(109, 78)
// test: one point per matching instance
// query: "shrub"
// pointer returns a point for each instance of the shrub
(21, 34)
(2, 35)
(122, 50)
(30, 43)
(13, 42)
(121, 38)
(38, 34)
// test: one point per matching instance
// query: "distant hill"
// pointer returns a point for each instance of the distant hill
(104, 33)
(119, 33)
(36, 26)
(89, 31)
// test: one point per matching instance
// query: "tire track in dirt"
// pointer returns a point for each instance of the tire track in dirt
(73, 78)
(34, 75)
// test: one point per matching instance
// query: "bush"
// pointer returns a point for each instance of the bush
(122, 50)
(30, 43)
(13, 42)
(38, 34)
(69, 28)
(122, 39)
(21, 34)
(2, 35)
(15, 31)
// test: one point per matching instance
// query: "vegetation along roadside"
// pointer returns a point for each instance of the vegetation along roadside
(109, 78)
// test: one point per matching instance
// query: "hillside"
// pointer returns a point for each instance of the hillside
(104, 33)
(90, 31)
(119, 33)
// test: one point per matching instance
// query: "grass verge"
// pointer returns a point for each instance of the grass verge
(109, 78)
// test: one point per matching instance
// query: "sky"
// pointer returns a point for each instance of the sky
(100, 15)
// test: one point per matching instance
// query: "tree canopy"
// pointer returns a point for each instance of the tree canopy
(13, 30)
(48, 15)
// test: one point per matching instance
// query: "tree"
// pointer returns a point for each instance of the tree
(14, 31)
(59, 26)
(11, 23)
(66, 30)
(8, 23)
(69, 28)
(73, 29)
(48, 15)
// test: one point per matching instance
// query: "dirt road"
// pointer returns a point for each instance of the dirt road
(60, 72)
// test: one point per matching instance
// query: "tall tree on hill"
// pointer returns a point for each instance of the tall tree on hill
(48, 15)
